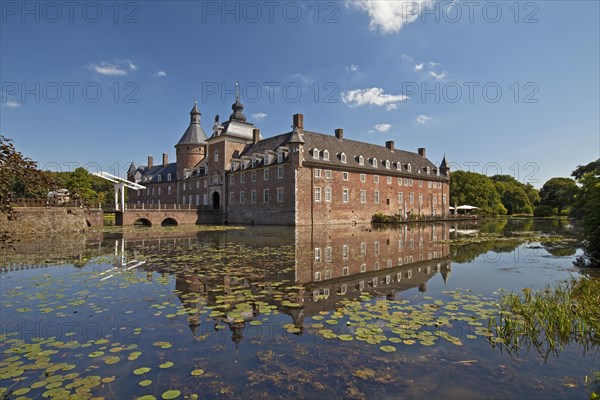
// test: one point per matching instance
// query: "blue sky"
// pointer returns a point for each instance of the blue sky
(509, 87)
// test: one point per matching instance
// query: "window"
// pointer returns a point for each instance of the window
(405, 181)
(400, 245)
(153, 190)
(374, 162)
(411, 198)
(435, 199)
(363, 196)
(363, 267)
(198, 184)
(190, 199)
(328, 194)
(242, 197)
(345, 195)
(253, 196)
(376, 196)
(182, 200)
(326, 155)
(280, 195)
(389, 180)
(421, 183)
(242, 177)
(317, 254)
(328, 274)
(316, 153)
(169, 190)
(328, 253)
(345, 250)
(361, 160)
(279, 172)
(345, 273)
(443, 199)
(216, 153)
(204, 182)
(266, 174)
(158, 190)
(197, 200)
(343, 158)
(253, 176)
(205, 199)
(159, 178)
(387, 164)
(376, 268)
(345, 176)
(399, 166)
(363, 177)
(266, 196)
(409, 168)
(231, 197)
(376, 247)
(231, 179)
(376, 178)
(280, 156)
(400, 198)
(317, 278)
(327, 174)
(169, 177)
(317, 173)
(317, 194)
(420, 198)
(363, 249)
(429, 184)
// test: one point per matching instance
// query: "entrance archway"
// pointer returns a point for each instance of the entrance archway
(216, 201)
(142, 222)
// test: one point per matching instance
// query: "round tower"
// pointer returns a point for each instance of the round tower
(191, 147)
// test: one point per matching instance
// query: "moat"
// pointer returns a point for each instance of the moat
(398, 311)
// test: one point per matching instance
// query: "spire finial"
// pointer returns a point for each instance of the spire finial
(237, 91)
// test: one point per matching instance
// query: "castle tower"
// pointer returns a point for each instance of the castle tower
(192, 145)
(444, 168)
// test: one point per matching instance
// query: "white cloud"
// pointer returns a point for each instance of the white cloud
(383, 127)
(438, 77)
(11, 104)
(304, 80)
(391, 107)
(390, 16)
(161, 73)
(423, 119)
(419, 67)
(131, 65)
(259, 116)
(352, 68)
(108, 69)
(374, 96)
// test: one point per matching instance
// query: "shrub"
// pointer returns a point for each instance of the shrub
(542, 211)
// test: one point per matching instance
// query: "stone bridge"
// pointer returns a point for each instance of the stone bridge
(150, 217)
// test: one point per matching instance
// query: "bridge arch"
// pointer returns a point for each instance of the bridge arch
(169, 222)
(142, 222)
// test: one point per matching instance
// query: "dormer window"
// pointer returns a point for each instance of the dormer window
(409, 168)
(316, 153)
(159, 178)
(387, 164)
(361, 160)
(279, 156)
(343, 158)
(374, 161)
(326, 155)
(399, 166)
(169, 177)
(428, 171)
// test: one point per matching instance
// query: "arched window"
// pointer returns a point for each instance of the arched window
(326, 155)
(399, 166)
(374, 162)
(216, 154)
(159, 178)
(409, 168)
(343, 158)
(387, 164)
(316, 153)
(361, 160)
(169, 177)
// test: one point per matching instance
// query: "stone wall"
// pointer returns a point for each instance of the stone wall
(34, 220)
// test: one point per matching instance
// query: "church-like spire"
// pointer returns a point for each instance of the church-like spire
(237, 107)
(195, 114)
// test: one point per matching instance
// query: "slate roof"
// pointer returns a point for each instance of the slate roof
(194, 134)
(150, 175)
(351, 148)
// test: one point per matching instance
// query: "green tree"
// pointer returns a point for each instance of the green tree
(515, 200)
(80, 186)
(588, 206)
(477, 190)
(559, 193)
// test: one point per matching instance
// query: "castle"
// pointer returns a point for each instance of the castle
(296, 178)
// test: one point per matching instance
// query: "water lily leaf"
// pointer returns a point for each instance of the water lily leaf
(197, 372)
(167, 364)
(171, 394)
(145, 382)
(140, 371)
(388, 349)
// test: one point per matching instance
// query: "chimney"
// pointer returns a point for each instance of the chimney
(390, 145)
(421, 151)
(339, 133)
(299, 121)
(255, 135)
(150, 161)
(165, 159)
